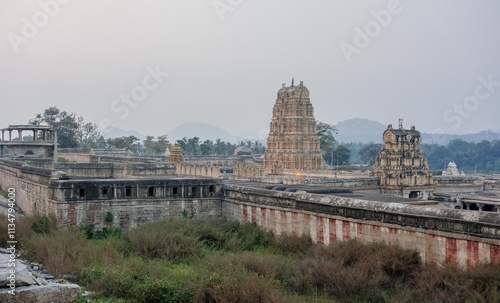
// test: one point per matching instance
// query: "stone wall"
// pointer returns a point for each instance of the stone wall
(212, 171)
(131, 200)
(458, 184)
(30, 185)
(87, 170)
(439, 235)
(75, 157)
(128, 213)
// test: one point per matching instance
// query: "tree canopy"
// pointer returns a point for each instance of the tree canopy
(327, 140)
(71, 131)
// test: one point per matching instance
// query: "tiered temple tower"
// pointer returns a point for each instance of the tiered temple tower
(293, 142)
(401, 165)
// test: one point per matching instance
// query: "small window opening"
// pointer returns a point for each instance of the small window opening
(81, 193)
(105, 191)
(175, 190)
(151, 191)
(193, 190)
(211, 189)
(128, 191)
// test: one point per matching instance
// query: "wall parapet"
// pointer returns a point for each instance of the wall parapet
(478, 224)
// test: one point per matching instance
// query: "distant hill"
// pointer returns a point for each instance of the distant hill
(366, 131)
(114, 132)
(443, 139)
(203, 131)
(359, 130)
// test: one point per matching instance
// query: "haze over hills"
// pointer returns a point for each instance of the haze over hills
(365, 131)
(359, 130)
(203, 131)
(351, 130)
(114, 132)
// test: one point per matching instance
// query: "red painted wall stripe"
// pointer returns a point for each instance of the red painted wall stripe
(451, 250)
(346, 230)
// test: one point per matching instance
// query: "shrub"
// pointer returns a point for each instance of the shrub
(26, 226)
(42, 224)
(103, 233)
(161, 291)
(65, 251)
(151, 242)
(230, 235)
(292, 244)
(109, 217)
(355, 270)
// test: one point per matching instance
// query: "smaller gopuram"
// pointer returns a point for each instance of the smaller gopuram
(175, 155)
(292, 142)
(401, 165)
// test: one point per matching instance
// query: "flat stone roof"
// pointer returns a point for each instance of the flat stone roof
(28, 127)
(368, 195)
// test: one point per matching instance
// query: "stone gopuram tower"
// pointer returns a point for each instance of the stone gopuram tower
(401, 165)
(293, 142)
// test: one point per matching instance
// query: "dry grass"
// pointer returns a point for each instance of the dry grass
(65, 251)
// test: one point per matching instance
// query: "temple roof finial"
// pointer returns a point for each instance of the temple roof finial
(292, 81)
(401, 123)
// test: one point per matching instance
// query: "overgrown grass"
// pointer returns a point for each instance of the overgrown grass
(186, 260)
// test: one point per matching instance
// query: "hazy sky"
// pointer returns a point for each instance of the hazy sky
(434, 63)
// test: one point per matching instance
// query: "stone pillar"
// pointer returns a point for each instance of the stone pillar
(3, 139)
(55, 147)
(20, 134)
(35, 135)
(10, 135)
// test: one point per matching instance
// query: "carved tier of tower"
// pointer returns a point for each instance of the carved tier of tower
(293, 142)
(401, 165)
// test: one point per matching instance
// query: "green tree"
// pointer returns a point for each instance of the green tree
(219, 147)
(327, 140)
(71, 131)
(207, 147)
(156, 146)
(341, 155)
(127, 142)
(258, 148)
(88, 134)
(369, 153)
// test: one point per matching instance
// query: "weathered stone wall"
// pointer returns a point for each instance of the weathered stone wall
(75, 157)
(211, 171)
(30, 185)
(136, 169)
(458, 184)
(87, 170)
(439, 235)
(131, 213)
